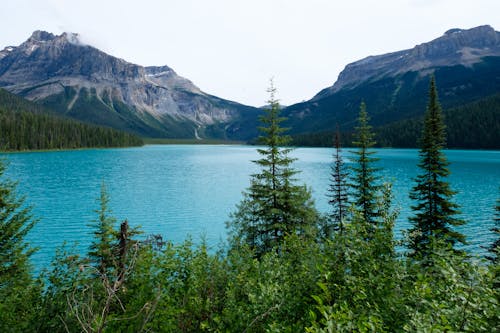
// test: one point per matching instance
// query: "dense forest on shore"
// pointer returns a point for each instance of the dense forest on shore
(285, 267)
(27, 126)
(479, 120)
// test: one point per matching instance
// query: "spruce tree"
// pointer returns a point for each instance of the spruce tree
(15, 223)
(273, 206)
(17, 292)
(364, 178)
(102, 249)
(434, 211)
(338, 189)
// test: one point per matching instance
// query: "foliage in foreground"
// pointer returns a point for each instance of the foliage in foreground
(17, 289)
(348, 280)
(273, 206)
(434, 210)
(342, 284)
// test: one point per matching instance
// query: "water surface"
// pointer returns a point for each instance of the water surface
(181, 190)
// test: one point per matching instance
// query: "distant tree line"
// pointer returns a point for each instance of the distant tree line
(27, 126)
(286, 267)
(472, 126)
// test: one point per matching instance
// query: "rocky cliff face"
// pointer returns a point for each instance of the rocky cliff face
(465, 63)
(455, 47)
(62, 70)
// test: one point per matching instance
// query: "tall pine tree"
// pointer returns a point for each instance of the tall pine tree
(365, 189)
(434, 211)
(338, 190)
(102, 249)
(16, 221)
(273, 206)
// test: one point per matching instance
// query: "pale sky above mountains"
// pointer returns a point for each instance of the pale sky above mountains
(231, 48)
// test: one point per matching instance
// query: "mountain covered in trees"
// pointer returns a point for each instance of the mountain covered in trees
(465, 63)
(479, 120)
(473, 125)
(25, 125)
(84, 83)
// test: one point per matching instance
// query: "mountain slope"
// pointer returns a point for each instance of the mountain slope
(474, 125)
(394, 86)
(26, 125)
(85, 83)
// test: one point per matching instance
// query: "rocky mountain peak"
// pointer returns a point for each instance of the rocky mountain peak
(46, 56)
(455, 47)
(159, 71)
(484, 33)
(73, 38)
(79, 79)
(455, 40)
(452, 31)
(41, 36)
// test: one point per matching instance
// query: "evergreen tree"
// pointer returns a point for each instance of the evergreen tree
(15, 223)
(434, 212)
(26, 125)
(338, 189)
(273, 206)
(102, 249)
(495, 247)
(16, 284)
(363, 181)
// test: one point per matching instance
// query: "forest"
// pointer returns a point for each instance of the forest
(284, 268)
(27, 126)
(478, 119)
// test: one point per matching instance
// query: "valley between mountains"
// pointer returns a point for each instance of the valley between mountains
(78, 81)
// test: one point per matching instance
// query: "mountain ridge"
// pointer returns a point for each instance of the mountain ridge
(82, 82)
(395, 90)
(455, 47)
(60, 70)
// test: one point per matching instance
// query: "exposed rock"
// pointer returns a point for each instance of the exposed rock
(394, 86)
(455, 47)
(47, 65)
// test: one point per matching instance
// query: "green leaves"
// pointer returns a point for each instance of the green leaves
(277, 275)
(363, 180)
(17, 288)
(454, 294)
(434, 211)
(273, 206)
(337, 192)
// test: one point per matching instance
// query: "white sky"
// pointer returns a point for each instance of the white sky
(231, 48)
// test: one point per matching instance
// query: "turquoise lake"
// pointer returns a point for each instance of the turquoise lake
(181, 190)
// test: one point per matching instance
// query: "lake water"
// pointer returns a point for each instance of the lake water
(181, 190)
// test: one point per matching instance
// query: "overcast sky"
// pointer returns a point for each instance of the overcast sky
(231, 48)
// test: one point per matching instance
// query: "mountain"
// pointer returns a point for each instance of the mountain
(82, 82)
(25, 125)
(466, 64)
(474, 125)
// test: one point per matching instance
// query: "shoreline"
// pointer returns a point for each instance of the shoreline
(60, 149)
(149, 141)
(162, 141)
